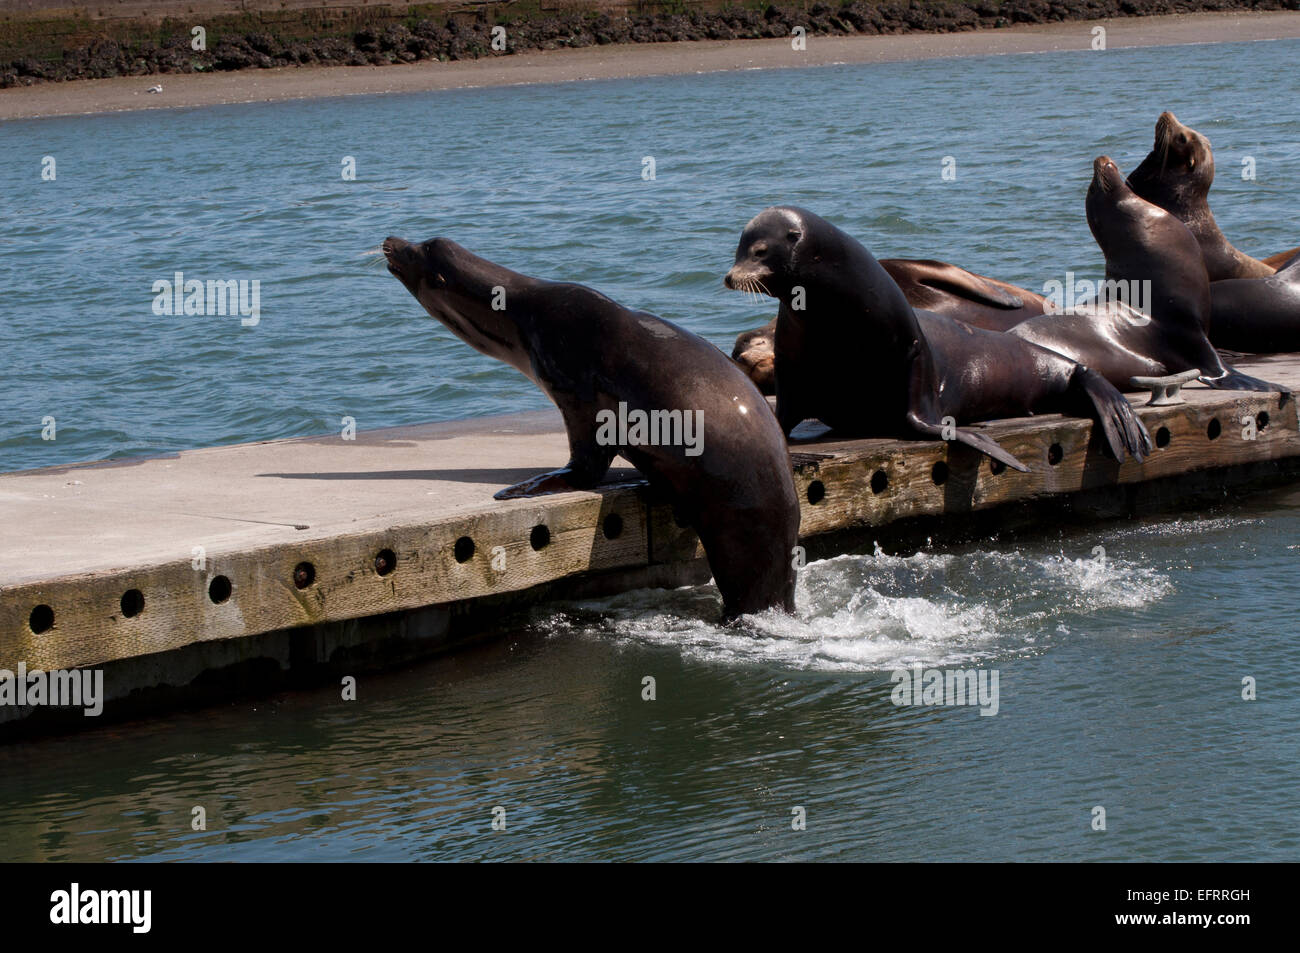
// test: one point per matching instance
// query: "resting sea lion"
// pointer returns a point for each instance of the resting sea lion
(930, 285)
(852, 352)
(1258, 314)
(1142, 243)
(1177, 175)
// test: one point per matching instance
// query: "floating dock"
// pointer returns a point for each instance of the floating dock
(187, 575)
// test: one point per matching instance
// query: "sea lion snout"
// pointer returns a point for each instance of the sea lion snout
(1170, 130)
(400, 254)
(410, 262)
(1105, 173)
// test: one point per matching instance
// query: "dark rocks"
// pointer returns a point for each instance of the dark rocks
(468, 37)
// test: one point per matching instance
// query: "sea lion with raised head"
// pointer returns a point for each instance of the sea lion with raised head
(1167, 334)
(599, 361)
(851, 351)
(1176, 175)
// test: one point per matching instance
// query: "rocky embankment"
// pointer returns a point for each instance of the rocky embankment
(462, 37)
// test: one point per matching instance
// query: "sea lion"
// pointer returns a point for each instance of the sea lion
(599, 362)
(1142, 243)
(1258, 314)
(930, 285)
(853, 353)
(755, 352)
(1177, 175)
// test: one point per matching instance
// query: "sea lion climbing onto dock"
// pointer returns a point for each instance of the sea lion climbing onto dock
(597, 361)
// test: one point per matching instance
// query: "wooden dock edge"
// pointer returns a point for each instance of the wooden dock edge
(384, 596)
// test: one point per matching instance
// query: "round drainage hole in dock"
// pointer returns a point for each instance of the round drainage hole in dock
(219, 589)
(132, 603)
(41, 619)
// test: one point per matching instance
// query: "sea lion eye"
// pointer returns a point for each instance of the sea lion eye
(794, 235)
(1191, 163)
(439, 281)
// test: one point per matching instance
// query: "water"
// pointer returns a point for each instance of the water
(1120, 679)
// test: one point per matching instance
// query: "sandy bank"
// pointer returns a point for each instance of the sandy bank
(632, 60)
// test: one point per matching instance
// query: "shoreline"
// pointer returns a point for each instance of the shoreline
(626, 61)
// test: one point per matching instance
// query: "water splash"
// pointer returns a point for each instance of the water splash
(877, 612)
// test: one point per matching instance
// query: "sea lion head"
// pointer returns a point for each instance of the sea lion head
(470, 295)
(1121, 221)
(755, 352)
(1179, 166)
(778, 246)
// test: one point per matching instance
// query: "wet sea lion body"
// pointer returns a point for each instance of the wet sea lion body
(596, 359)
(1142, 243)
(928, 285)
(1260, 315)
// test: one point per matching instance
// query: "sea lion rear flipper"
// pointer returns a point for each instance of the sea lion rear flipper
(1123, 431)
(1234, 380)
(964, 284)
(1282, 258)
(985, 445)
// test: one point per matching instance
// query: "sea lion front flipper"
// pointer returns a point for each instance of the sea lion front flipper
(589, 461)
(985, 445)
(1123, 431)
(922, 388)
(554, 481)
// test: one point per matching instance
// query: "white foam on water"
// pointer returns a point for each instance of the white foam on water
(879, 612)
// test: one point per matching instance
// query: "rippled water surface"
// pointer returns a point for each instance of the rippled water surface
(1120, 678)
